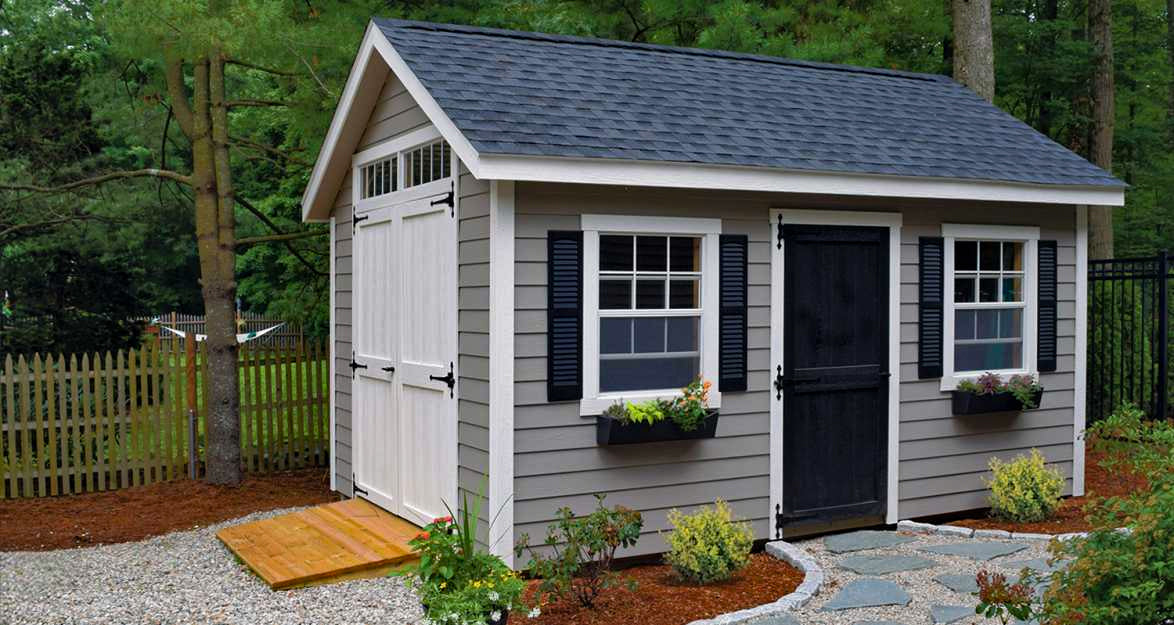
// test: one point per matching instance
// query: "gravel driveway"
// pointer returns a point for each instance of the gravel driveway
(184, 577)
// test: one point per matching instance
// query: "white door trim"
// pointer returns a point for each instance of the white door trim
(893, 222)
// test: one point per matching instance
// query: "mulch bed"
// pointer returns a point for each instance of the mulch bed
(661, 599)
(1071, 517)
(136, 513)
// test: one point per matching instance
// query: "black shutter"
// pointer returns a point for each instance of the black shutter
(1047, 306)
(929, 314)
(564, 316)
(732, 320)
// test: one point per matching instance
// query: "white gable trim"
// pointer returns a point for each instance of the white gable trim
(656, 173)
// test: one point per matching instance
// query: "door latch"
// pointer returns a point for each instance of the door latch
(449, 379)
(388, 369)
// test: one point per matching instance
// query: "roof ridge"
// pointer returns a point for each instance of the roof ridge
(383, 22)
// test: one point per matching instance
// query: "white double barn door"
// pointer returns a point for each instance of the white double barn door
(404, 410)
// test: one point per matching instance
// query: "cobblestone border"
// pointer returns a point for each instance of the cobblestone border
(915, 527)
(813, 579)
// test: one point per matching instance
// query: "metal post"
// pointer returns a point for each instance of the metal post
(1164, 333)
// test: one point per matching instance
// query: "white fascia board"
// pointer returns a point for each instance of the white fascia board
(725, 177)
(341, 113)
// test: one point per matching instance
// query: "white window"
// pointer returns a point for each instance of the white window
(990, 315)
(379, 178)
(409, 161)
(650, 307)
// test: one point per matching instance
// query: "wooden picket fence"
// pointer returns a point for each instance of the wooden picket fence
(288, 335)
(95, 422)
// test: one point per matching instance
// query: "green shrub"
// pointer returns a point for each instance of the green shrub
(1024, 490)
(689, 411)
(576, 562)
(709, 545)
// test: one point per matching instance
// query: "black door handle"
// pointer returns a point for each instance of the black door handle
(449, 379)
(388, 369)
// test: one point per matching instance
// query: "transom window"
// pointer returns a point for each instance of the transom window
(650, 307)
(991, 300)
(650, 311)
(380, 178)
(405, 169)
(427, 163)
(988, 305)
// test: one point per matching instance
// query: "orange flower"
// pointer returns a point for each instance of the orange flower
(422, 536)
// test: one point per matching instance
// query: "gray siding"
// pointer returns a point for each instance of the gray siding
(943, 458)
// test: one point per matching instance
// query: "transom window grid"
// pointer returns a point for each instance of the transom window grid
(380, 177)
(989, 305)
(408, 168)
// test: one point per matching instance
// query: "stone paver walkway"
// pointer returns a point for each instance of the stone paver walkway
(891, 578)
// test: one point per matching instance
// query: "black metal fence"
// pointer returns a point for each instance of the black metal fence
(1129, 335)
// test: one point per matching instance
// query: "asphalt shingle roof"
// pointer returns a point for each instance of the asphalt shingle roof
(520, 93)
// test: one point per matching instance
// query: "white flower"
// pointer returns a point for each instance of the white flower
(495, 615)
(534, 613)
(493, 596)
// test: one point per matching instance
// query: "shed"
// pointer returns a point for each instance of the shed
(527, 228)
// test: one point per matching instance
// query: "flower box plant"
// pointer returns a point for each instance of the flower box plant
(687, 417)
(989, 393)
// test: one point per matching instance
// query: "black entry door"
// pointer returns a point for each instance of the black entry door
(835, 374)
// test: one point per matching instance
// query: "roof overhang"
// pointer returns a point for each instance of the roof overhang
(377, 57)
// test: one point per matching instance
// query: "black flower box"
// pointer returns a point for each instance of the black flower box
(966, 403)
(609, 431)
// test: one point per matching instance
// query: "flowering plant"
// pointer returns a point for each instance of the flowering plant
(689, 411)
(456, 582)
(1023, 387)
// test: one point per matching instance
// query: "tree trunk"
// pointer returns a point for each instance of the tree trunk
(1170, 87)
(1100, 218)
(204, 122)
(1051, 12)
(974, 51)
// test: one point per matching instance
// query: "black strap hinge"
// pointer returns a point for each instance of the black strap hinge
(779, 521)
(355, 222)
(450, 200)
(355, 485)
(780, 382)
(355, 365)
(779, 232)
(449, 379)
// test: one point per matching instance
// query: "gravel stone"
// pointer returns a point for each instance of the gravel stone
(1031, 536)
(181, 578)
(884, 564)
(866, 539)
(877, 623)
(954, 530)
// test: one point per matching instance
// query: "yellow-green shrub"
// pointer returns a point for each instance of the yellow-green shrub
(1024, 490)
(709, 545)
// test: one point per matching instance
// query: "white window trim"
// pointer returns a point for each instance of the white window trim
(594, 402)
(1029, 236)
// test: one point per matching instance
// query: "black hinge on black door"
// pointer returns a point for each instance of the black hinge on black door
(355, 485)
(355, 219)
(778, 522)
(449, 199)
(780, 382)
(449, 379)
(779, 232)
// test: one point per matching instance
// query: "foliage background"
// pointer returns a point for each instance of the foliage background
(78, 97)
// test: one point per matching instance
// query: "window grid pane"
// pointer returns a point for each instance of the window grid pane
(988, 338)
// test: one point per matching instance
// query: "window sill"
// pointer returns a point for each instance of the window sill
(594, 406)
(950, 382)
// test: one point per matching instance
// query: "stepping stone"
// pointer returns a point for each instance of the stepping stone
(881, 565)
(865, 539)
(877, 623)
(976, 550)
(867, 593)
(1039, 565)
(942, 614)
(780, 619)
(958, 583)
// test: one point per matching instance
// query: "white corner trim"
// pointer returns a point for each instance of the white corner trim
(330, 385)
(1029, 235)
(741, 178)
(399, 143)
(501, 368)
(1081, 389)
(894, 222)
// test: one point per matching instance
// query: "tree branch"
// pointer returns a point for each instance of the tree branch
(245, 143)
(260, 68)
(177, 93)
(272, 226)
(97, 180)
(257, 103)
(288, 236)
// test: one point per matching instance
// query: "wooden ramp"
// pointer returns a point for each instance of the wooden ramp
(334, 542)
